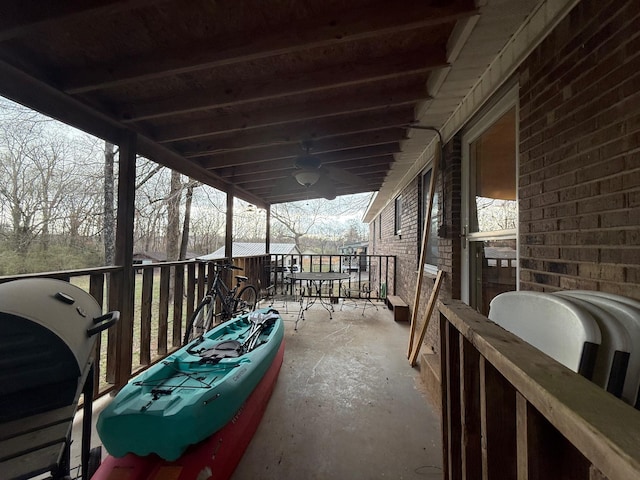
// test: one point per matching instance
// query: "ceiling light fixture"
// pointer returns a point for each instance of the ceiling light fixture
(307, 177)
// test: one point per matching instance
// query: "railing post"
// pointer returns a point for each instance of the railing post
(191, 289)
(178, 302)
(542, 451)
(454, 424)
(444, 396)
(202, 280)
(96, 289)
(498, 420)
(470, 409)
(145, 316)
(163, 313)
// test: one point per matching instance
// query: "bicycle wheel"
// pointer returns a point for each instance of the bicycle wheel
(246, 299)
(201, 321)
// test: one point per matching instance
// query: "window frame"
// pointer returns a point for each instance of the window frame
(425, 183)
(397, 216)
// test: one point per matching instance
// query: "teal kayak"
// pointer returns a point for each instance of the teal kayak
(194, 392)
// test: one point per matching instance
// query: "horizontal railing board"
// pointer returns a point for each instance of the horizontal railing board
(603, 428)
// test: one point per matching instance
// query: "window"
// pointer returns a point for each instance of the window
(490, 204)
(397, 224)
(431, 258)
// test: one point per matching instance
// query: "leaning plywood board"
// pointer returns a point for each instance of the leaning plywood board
(423, 249)
(427, 318)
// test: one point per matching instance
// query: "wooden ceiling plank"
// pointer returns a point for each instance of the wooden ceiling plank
(380, 99)
(333, 159)
(346, 26)
(21, 18)
(304, 194)
(315, 131)
(338, 77)
(24, 89)
(288, 152)
(161, 154)
(341, 189)
(362, 166)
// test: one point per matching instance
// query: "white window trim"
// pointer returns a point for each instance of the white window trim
(474, 129)
(427, 268)
(397, 217)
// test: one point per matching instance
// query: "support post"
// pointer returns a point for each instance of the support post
(121, 283)
(228, 239)
(267, 243)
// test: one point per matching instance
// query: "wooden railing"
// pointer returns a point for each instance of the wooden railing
(165, 297)
(511, 412)
(166, 294)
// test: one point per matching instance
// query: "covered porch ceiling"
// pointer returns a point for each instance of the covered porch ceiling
(227, 91)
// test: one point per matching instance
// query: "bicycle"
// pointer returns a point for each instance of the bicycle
(231, 304)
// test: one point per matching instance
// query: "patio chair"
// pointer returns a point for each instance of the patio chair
(627, 312)
(277, 300)
(614, 352)
(553, 325)
(356, 296)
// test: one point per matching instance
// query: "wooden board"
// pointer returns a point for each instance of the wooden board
(427, 318)
(423, 250)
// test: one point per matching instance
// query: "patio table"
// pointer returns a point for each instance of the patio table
(315, 280)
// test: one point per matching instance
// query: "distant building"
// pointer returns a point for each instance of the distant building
(243, 249)
(143, 257)
(357, 256)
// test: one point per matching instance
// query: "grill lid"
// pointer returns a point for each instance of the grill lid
(47, 335)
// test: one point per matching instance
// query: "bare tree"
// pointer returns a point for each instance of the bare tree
(173, 216)
(36, 175)
(319, 217)
(186, 224)
(48, 195)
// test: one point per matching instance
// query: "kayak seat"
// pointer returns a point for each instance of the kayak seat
(225, 349)
(264, 320)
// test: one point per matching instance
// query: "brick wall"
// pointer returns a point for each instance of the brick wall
(406, 246)
(579, 176)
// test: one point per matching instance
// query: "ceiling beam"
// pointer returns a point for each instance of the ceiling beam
(374, 100)
(24, 89)
(305, 194)
(20, 18)
(340, 76)
(333, 158)
(313, 130)
(265, 187)
(346, 26)
(341, 189)
(289, 151)
(373, 165)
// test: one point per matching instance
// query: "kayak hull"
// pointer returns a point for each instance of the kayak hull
(181, 400)
(215, 458)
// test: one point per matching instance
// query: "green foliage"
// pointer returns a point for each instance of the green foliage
(55, 257)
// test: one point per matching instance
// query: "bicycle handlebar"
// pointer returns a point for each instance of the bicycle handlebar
(228, 266)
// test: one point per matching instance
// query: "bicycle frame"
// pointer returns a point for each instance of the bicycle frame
(219, 291)
(231, 302)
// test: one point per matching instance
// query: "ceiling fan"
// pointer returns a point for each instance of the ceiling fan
(313, 175)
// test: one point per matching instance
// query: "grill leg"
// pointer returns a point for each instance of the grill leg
(87, 393)
(63, 470)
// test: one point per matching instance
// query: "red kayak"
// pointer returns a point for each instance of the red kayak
(212, 459)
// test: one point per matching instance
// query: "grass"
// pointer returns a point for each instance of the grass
(83, 283)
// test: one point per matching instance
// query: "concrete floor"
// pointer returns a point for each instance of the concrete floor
(346, 405)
